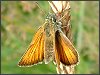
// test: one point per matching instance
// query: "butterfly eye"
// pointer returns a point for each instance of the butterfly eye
(54, 19)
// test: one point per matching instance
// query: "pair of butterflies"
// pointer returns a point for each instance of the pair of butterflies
(50, 43)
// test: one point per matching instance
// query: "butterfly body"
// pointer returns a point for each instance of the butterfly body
(49, 41)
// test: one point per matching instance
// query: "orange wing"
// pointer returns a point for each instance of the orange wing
(35, 52)
(65, 51)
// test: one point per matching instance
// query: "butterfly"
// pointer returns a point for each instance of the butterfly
(50, 43)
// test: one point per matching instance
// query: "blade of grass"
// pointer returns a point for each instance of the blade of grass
(80, 25)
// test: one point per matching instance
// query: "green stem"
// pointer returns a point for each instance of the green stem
(80, 25)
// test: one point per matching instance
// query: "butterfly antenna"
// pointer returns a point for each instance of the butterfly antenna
(40, 7)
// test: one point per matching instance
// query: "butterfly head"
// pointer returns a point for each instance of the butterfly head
(51, 17)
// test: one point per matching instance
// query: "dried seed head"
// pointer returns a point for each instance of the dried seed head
(59, 6)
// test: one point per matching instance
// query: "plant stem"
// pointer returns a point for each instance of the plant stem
(80, 25)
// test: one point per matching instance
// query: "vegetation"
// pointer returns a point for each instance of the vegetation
(20, 21)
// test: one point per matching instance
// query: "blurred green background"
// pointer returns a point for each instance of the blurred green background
(19, 22)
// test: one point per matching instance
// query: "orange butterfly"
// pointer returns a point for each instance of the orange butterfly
(50, 43)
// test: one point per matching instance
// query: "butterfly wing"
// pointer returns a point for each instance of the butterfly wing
(35, 52)
(65, 51)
